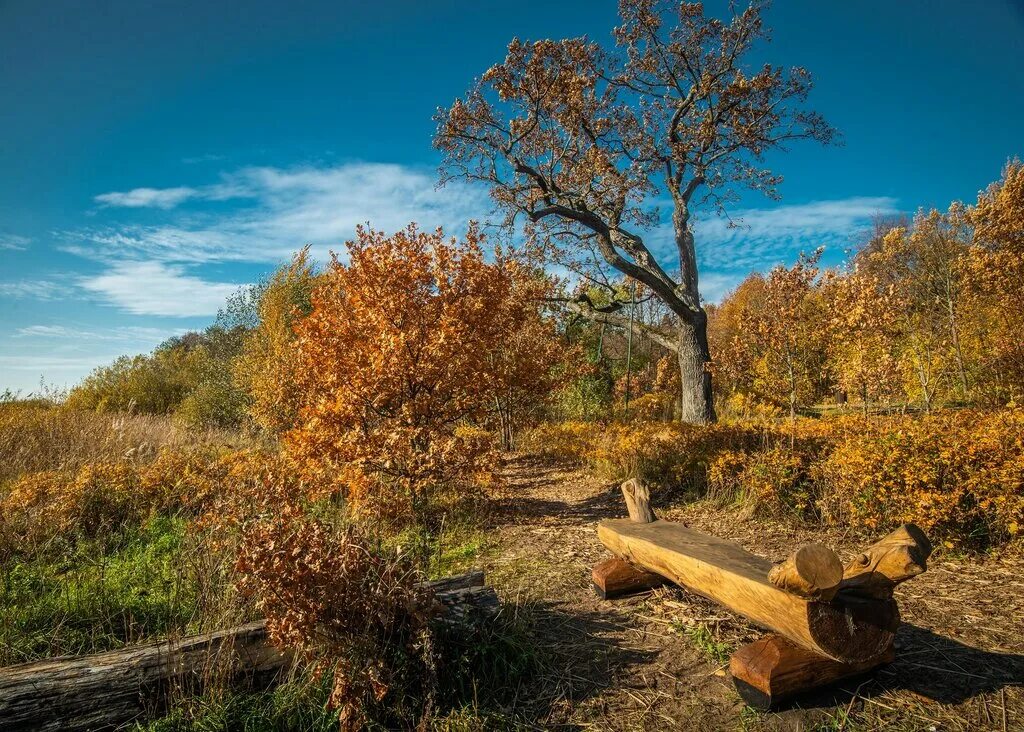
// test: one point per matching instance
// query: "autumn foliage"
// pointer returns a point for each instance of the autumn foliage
(957, 474)
(412, 344)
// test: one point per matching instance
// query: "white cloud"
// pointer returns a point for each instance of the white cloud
(289, 208)
(765, 237)
(154, 288)
(128, 333)
(149, 197)
(716, 285)
(13, 242)
(37, 289)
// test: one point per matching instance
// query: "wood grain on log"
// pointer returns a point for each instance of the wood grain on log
(774, 669)
(638, 501)
(894, 559)
(813, 571)
(845, 629)
(105, 690)
(615, 578)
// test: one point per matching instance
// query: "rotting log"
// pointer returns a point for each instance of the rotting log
(615, 578)
(106, 690)
(849, 628)
(103, 690)
(813, 571)
(773, 669)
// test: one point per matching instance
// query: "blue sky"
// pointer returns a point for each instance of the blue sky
(154, 156)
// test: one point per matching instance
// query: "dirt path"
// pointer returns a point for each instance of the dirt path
(658, 661)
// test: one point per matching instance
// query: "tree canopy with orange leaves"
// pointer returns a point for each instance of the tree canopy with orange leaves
(579, 141)
(405, 350)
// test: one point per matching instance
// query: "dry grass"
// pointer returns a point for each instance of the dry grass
(36, 437)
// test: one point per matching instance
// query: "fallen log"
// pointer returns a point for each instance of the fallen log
(773, 669)
(848, 628)
(616, 578)
(105, 690)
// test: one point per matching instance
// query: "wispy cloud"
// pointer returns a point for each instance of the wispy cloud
(164, 198)
(288, 208)
(128, 333)
(155, 288)
(13, 242)
(36, 289)
(765, 237)
(757, 239)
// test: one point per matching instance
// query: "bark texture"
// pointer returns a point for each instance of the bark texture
(849, 628)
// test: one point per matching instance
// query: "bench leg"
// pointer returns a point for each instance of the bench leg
(616, 578)
(773, 669)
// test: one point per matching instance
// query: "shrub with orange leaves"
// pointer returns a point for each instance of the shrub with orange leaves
(99, 499)
(399, 351)
(957, 474)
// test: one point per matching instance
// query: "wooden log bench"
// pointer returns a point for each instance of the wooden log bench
(108, 690)
(830, 621)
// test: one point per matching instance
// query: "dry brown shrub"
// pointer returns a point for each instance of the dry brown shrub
(346, 609)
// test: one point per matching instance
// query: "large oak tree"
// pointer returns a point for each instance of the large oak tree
(583, 141)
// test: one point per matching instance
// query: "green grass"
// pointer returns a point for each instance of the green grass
(98, 595)
(701, 636)
(297, 706)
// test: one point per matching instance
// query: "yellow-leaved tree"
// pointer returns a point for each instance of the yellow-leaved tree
(264, 369)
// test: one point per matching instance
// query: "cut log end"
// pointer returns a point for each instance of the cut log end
(638, 501)
(813, 571)
(773, 669)
(617, 578)
(853, 629)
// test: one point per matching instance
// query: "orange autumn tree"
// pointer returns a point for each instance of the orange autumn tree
(406, 348)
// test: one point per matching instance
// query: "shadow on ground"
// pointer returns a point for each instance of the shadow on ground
(579, 654)
(931, 666)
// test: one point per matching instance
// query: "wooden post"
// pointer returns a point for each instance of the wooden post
(616, 578)
(774, 669)
(638, 501)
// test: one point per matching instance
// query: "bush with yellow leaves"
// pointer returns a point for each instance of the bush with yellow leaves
(958, 475)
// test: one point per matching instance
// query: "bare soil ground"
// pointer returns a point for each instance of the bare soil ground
(659, 661)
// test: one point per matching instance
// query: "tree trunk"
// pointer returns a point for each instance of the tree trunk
(696, 401)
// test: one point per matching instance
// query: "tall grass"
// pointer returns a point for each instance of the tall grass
(136, 585)
(35, 436)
